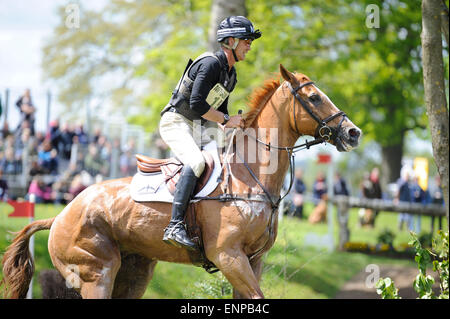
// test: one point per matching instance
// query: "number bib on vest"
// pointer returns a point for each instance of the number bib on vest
(217, 96)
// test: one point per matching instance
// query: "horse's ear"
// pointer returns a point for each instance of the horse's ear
(288, 76)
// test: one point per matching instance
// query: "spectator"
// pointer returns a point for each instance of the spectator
(23, 144)
(97, 135)
(105, 149)
(24, 125)
(9, 164)
(404, 195)
(40, 137)
(66, 137)
(5, 131)
(93, 163)
(299, 190)
(418, 196)
(41, 191)
(76, 187)
(340, 186)
(437, 197)
(340, 189)
(83, 138)
(371, 190)
(60, 189)
(320, 199)
(319, 188)
(126, 161)
(375, 190)
(27, 110)
(35, 169)
(364, 193)
(3, 187)
(54, 135)
(9, 142)
(47, 158)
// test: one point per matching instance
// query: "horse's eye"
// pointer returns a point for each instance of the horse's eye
(315, 99)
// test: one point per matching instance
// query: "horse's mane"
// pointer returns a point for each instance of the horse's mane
(259, 97)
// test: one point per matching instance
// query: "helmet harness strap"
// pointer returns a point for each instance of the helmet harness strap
(232, 48)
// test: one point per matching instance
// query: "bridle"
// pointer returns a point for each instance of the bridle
(323, 131)
(323, 134)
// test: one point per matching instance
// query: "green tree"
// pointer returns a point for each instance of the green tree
(374, 74)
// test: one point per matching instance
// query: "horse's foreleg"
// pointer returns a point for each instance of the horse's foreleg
(257, 267)
(235, 266)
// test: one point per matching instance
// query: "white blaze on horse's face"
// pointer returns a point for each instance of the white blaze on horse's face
(349, 135)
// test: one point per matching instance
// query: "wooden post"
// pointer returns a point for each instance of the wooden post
(32, 199)
(344, 232)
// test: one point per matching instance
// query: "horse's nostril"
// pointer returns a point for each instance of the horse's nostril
(354, 133)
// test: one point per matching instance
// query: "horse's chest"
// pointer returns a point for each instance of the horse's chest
(256, 212)
(253, 210)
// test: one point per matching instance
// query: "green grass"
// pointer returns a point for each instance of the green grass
(292, 269)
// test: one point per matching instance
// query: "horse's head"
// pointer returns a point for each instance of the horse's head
(313, 113)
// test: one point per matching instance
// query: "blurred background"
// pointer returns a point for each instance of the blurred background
(83, 82)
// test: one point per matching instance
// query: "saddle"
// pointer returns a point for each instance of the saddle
(170, 168)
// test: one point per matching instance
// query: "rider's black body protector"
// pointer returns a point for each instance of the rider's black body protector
(189, 97)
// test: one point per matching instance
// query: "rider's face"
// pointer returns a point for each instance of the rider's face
(242, 48)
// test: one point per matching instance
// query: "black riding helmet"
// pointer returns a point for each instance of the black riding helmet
(237, 27)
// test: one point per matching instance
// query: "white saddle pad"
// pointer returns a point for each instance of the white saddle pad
(150, 187)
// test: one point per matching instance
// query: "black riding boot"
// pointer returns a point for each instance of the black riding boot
(175, 234)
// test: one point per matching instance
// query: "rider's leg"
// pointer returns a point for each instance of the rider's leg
(175, 233)
(178, 133)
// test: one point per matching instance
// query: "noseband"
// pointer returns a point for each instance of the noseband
(323, 131)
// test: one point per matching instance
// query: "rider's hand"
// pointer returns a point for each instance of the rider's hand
(235, 121)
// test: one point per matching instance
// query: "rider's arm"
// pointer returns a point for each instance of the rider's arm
(205, 78)
(206, 75)
(217, 116)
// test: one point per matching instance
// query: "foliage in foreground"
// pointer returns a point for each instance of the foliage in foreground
(438, 257)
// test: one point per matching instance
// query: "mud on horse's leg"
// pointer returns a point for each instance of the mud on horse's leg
(97, 279)
(92, 262)
(235, 266)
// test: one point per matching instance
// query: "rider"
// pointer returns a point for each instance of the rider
(201, 95)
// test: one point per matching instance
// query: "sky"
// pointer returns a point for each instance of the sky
(24, 26)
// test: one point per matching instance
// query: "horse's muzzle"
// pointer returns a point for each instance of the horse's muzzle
(348, 139)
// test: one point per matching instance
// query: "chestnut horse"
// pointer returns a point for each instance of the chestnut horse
(108, 244)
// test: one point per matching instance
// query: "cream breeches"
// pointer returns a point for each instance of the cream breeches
(185, 138)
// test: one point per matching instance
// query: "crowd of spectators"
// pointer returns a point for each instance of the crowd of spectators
(61, 162)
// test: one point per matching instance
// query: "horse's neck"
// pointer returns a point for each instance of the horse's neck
(272, 126)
